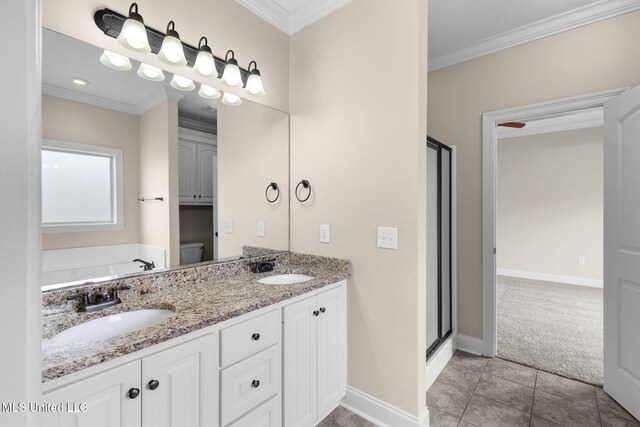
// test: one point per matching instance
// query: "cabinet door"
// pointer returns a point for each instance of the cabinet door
(186, 392)
(267, 415)
(106, 397)
(300, 342)
(331, 349)
(207, 174)
(187, 172)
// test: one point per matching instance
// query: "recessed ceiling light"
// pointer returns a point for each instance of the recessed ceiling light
(79, 81)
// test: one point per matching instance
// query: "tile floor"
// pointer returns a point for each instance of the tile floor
(477, 391)
(474, 391)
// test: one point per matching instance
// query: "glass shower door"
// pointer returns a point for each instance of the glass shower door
(438, 244)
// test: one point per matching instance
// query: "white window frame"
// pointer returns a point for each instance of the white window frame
(117, 186)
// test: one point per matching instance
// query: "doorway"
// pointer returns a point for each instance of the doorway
(549, 244)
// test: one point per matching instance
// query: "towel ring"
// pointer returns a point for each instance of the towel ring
(274, 187)
(305, 184)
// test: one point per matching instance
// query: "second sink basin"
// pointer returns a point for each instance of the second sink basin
(285, 279)
(112, 325)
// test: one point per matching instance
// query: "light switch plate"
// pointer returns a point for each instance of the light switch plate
(387, 237)
(260, 228)
(325, 233)
(228, 226)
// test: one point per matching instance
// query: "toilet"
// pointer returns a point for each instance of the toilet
(191, 252)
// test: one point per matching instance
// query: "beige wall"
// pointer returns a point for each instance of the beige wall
(587, 59)
(550, 203)
(226, 24)
(358, 129)
(253, 151)
(72, 121)
(196, 225)
(160, 221)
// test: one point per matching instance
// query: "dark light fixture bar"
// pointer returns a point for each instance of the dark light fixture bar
(110, 23)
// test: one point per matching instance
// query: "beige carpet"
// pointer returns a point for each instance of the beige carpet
(551, 326)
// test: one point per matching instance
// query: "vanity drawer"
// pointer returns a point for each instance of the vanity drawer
(267, 415)
(247, 384)
(249, 337)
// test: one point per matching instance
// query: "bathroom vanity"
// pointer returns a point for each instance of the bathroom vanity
(236, 352)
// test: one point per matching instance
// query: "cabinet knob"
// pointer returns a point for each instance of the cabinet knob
(316, 313)
(153, 384)
(255, 383)
(133, 393)
(194, 196)
(200, 196)
(255, 336)
(322, 309)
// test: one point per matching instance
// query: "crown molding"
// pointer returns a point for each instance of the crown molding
(188, 126)
(585, 15)
(290, 23)
(586, 119)
(135, 109)
(84, 98)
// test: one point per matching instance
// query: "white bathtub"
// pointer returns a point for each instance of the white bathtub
(96, 262)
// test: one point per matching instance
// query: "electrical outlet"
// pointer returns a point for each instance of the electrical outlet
(387, 237)
(260, 228)
(325, 233)
(582, 260)
(228, 226)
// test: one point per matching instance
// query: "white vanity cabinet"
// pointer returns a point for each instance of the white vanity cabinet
(314, 356)
(197, 168)
(176, 387)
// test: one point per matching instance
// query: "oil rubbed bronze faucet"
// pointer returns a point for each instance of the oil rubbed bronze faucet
(146, 266)
(261, 267)
(101, 299)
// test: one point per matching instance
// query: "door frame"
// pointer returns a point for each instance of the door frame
(490, 120)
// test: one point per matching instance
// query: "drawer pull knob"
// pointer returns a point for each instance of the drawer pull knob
(316, 313)
(322, 309)
(133, 393)
(255, 337)
(154, 384)
(255, 383)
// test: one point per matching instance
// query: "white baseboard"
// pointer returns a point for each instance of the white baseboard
(439, 360)
(569, 280)
(381, 413)
(469, 344)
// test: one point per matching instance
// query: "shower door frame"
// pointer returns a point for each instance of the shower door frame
(439, 146)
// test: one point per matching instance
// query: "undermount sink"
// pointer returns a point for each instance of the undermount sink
(285, 279)
(112, 325)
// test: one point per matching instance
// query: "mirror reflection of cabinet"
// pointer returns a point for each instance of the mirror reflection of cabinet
(197, 168)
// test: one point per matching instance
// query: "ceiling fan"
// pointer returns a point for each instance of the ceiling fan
(517, 125)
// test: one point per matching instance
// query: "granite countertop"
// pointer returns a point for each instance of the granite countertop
(200, 296)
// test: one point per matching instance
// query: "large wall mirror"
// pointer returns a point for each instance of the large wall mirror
(138, 175)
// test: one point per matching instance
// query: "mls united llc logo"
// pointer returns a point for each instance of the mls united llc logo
(43, 407)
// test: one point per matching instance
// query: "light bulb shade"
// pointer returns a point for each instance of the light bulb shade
(209, 92)
(149, 72)
(171, 50)
(205, 65)
(115, 61)
(254, 85)
(134, 34)
(231, 99)
(182, 83)
(231, 75)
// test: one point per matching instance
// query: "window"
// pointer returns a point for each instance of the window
(82, 188)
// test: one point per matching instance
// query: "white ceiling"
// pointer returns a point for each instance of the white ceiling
(460, 30)
(64, 58)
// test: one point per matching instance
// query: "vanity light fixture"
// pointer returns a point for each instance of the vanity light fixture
(171, 50)
(205, 65)
(115, 61)
(254, 81)
(231, 99)
(134, 34)
(209, 92)
(149, 72)
(182, 83)
(231, 75)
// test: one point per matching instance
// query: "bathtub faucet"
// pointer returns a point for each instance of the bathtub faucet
(146, 266)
